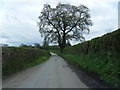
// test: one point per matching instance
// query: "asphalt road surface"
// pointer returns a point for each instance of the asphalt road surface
(54, 73)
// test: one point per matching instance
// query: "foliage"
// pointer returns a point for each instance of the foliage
(107, 43)
(54, 47)
(98, 64)
(37, 45)
(64, 22)
(26, 46)
(4, 45)
(100, 56)
(17, 58)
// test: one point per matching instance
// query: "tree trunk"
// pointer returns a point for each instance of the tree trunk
(62, 43)
(61, 49)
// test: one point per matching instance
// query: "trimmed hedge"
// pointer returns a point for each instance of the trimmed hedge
(109, 42)
(17, 58)
(100, 55)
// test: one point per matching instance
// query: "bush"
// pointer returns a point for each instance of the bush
(100, 56)
(107, 69)
(17, 58)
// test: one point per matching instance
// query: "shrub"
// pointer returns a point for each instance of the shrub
(17, 58)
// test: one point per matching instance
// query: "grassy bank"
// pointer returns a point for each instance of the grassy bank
(16, 58)
(106, 70)
(100, 56)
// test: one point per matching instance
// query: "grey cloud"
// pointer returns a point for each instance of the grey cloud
(19, 21)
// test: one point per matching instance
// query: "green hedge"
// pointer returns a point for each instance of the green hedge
(108, 43)
(17, 58)
(100, 55)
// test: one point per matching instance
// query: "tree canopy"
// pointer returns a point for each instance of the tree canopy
(63, 23)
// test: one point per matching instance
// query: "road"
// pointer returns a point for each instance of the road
(54, 73)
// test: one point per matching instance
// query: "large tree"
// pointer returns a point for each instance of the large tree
(63, 23)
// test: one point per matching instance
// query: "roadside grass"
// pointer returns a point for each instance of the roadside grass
(107, 69)
(101, 56)
(38, 61)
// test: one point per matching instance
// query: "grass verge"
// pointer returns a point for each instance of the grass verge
(106, 69)
(38, 61)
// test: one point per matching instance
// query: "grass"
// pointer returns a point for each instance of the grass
(38, 61)
(100, 56)
(107, 68)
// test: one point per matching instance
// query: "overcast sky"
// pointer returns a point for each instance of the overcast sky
(18, 19)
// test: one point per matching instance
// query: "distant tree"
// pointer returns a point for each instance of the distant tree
(65, 22)
(68, 43)
(4, 45)
(23, 45)
(37, 45)
(31, 46)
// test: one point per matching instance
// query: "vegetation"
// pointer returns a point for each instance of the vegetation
(54, 47)
(63, 23)
(100, 56)
(18, 58)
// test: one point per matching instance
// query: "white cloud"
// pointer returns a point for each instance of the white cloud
(18, 18)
